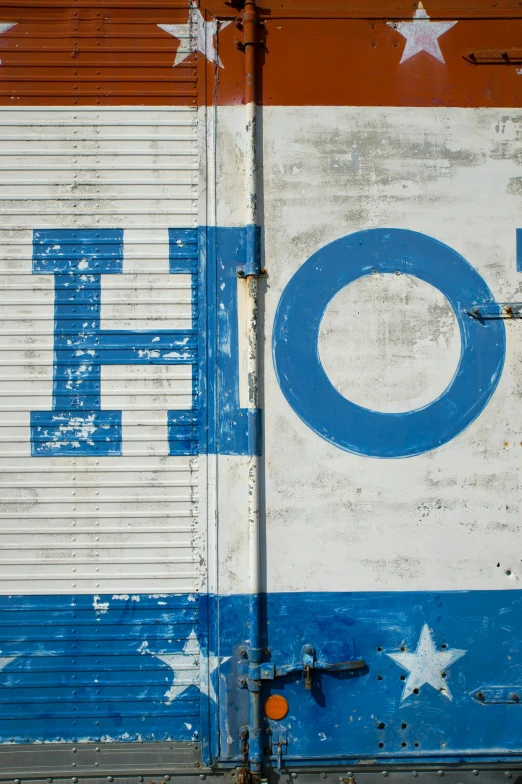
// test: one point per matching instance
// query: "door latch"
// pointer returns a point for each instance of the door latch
(307, 665)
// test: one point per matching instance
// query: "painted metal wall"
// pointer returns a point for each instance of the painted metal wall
(102, 551)
(388, 173)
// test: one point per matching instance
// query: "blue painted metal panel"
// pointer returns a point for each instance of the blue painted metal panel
(89, 668)
(369, 713)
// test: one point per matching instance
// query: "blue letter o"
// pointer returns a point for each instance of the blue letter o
(307, 387)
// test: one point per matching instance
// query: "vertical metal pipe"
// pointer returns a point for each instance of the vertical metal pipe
(252, 272)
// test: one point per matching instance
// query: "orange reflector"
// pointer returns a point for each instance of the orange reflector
(276, 707)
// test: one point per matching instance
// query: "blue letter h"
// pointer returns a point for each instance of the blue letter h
(77, 425)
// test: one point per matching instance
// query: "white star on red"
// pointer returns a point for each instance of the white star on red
(196, 36)
(422, 35)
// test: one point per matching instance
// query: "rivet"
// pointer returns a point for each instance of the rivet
(507, 774)
(110, 778)
(475, 772)
(294, 775)
(323, 775)
(49, 780)
(414, 773)
(440, 773)
(167, 777)
(385, 773)
(17, 781)
(202, 776)
(74, 779)
(74, 750)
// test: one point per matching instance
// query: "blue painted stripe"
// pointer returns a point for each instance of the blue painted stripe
(85, 668)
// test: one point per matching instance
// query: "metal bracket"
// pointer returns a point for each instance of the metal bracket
(494, 695)
(496, 310)
(308, 663)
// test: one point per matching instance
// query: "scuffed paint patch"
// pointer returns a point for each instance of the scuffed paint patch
(99, 606)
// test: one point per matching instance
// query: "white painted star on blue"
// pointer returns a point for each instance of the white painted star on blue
(422, 35)
(426, 665)
(196, 36)
(186, 669)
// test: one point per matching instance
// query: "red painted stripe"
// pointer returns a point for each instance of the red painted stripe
(114, 53)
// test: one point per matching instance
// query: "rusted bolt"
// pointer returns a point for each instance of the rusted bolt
(515, 697)
(480, 696)
(373, 43)
(243, 651)
(263, 271)
(508, 309)
(267, 650)
(397, 272)
(308, 649)
(242, 681)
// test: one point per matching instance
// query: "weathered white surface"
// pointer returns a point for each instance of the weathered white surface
(115, 524)
(448, 519)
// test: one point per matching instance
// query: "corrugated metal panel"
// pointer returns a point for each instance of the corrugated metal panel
(97, 523)
(116, 669)
(95, 53)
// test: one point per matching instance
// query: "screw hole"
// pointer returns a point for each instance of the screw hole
(403, 677)
(379, 677)
(416, 745)
(415, 691)
(403, 745)
(381, 725)
(381, 745)
(379, 648)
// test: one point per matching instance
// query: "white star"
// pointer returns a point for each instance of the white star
(422, 35)
(199, 37)
(187, 663)
(426, 665)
